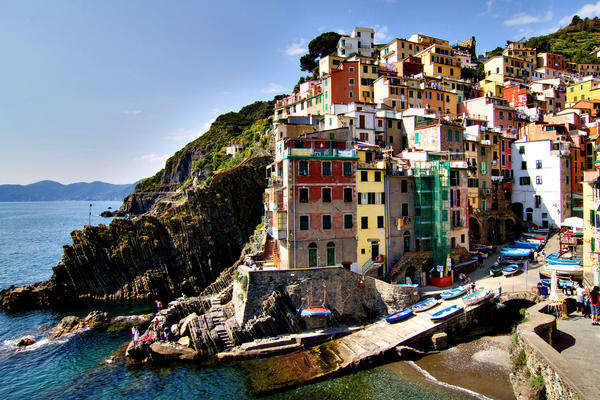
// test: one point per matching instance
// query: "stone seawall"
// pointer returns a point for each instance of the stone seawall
(562, 382)
(335, 288)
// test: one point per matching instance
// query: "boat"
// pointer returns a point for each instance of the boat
(564, 269)
(555, 259)
(399, 316)
(425, 305)
(526, 245)
(483, 248)
(413, 285)
(539, 231)
(477, 297)
(531, 240)
(496, 270)
(515, 252)
(534, 236)
(315, 312)
(446, 312)
(510, 270)
(453, 293)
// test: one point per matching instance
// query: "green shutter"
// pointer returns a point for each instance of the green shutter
(592, 219)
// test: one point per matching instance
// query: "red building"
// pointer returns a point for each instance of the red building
(551, 60)
(518, 96)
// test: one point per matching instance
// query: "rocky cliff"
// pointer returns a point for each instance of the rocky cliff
(182, 248)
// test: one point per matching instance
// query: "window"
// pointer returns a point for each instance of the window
(538, 180)
(303, 194)
(351, 82)
(348, 195)
(371, 198)
(348, 223)
(449, 135)
(523, 164)
(326, 168)
(416, 137)
(538, 164)
(350, 94)
(326, 195)
(304, 222)
(404, 186)
(457, 135)
(364, 177)
(364, 222)
(347, 168)
(377, 176)
(538, 200)
(524, 180)
(380, 221)
(404, 210)
(303, 168)
(521, 149)
(326, 221)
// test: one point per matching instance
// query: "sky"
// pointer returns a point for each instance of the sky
(107, 90)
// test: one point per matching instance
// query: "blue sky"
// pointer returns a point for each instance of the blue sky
(106, 90)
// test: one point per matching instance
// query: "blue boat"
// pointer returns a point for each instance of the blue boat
(477, 297)
(413, 285)
(399, 316)
(556, 260)
(425, 305)
(315, 312)
(539, 231)
(515, 252)
(446, 312)
(510, 269)
(453, 293)
(526, 245)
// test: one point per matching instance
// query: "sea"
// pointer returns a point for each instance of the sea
(78, 367)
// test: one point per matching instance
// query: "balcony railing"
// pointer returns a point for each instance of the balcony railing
(380, 164)
(320, 153)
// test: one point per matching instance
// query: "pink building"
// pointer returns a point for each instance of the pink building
(494, 110)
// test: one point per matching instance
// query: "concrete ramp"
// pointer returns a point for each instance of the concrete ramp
(366, 348)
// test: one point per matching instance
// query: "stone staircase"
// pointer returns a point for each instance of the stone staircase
(269, 252)
(219, 321)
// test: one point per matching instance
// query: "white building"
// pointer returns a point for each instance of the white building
(234, 149)
(360, 41)
(542, 181)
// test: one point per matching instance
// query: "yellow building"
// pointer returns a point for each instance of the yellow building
(370, 212)
(399, 49)
(588, 88)
(439, 60)
(494, 88)
(519, 50)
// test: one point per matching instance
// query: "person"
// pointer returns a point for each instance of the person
(579, 293)
(586, 305)
(166, 334)
(462, 277)
(472, 287)
(595, 304)
(135, 334)
(158, 305)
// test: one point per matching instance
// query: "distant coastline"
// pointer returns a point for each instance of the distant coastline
(54, 191)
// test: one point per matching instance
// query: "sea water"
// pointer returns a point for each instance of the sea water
(31, 238)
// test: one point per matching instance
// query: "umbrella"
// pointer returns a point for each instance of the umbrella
(573, 222)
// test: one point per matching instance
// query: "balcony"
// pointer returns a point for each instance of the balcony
(485, 192)
(274, 181)
(279, 233)
(319, 153)
(379, 164)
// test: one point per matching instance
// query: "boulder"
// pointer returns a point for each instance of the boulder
(25, 342)
(184, 341)
(185, 324)
(66, 325)
(172, 351)
(440, 341)
(95, 318)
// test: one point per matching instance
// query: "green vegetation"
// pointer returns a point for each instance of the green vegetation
(321, 46)
(246, 126)
(519, 359)
(537, 382)
(575, 41)
(514, 342)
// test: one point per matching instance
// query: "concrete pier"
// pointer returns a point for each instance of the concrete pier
(365, 348)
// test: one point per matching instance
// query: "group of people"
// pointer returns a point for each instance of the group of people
(588, 303)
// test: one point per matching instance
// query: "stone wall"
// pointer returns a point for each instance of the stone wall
(535, 338)
(335, 288)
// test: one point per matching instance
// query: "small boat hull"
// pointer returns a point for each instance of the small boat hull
(315, 312)
(563, 269)
(425, 305)
(526, 245)
(399, 316)
(510, 270)
(446, 312)
(477, 297)
(515, 252)
(453, 293)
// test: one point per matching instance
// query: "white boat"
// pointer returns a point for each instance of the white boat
(563, 269)
(447, 312)
(477, 297)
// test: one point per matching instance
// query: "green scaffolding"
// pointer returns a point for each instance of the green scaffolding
(432, 206)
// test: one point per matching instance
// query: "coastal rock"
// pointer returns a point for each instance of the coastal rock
(171, 352)
(25, 342)
(182, 249)
(66, 325)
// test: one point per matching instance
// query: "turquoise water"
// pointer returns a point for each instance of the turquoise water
(31, 239)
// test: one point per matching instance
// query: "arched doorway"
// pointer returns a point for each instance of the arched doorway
(474, 230)
(517, 209)
(312, 255)
(411, 276)
(330, 253)
(492, 230)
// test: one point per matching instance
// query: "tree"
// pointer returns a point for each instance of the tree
(321, 46)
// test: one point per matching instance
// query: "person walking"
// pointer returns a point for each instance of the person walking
(579, 292)
(158, 305)
(595, 304)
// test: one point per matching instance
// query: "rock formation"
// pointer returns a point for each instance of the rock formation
(97, 319)
(181, 249)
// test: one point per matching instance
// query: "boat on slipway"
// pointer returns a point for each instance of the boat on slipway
(555, 259)
(447, 312)
(477, 297)
(510, 270)
(425, 305)
(515, 252)
(453, 293)
(315, 312)
(399, 316)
